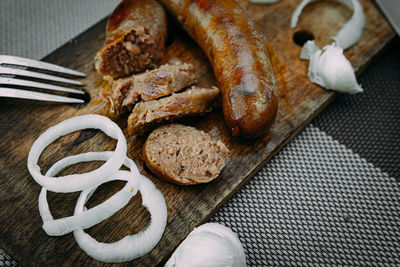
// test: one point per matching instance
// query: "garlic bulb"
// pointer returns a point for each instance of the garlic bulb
(209, 245)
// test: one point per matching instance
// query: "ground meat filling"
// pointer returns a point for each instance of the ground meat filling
(149, 85)
(184, 155)
(121, 91)
(138, 46)
(194, 101)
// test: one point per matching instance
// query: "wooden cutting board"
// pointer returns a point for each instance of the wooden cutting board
(22, 121)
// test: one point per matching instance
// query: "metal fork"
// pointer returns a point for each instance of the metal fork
(14, 71)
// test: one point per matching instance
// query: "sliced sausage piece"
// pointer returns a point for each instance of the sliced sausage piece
(237, 51)
(184, 155)
(150, 85)
(135, 39)
(193, 101)
(165, 80)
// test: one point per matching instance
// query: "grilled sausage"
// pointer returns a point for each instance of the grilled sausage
(238, 54)
(135, 39)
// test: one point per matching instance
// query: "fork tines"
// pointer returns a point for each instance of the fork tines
(11, 74)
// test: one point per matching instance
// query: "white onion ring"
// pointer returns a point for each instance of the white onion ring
(131, 246)
(78, 182)
(350, 33)
(93, 216)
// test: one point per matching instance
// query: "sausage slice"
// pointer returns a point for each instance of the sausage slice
(135, 38)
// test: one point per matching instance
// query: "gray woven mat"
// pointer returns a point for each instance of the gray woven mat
(317, 203)
(330, 197)
(35, 28)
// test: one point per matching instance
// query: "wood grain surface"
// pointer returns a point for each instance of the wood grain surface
(22, 121)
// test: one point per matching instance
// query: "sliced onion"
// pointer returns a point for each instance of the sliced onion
(93, 216)
(131, 246)
(78, 182)
(350, 33)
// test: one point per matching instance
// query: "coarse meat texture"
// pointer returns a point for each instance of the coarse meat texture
(193, 101)
(150, 85)
(184, 155)
(135, 40)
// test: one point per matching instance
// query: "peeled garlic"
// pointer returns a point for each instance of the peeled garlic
(209, 245)
(330, 69)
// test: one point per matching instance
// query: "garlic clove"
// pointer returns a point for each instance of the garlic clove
(209, 245)
(330, 69)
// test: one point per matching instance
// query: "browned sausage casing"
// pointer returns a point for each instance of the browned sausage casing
(135, 40)
(238, 53)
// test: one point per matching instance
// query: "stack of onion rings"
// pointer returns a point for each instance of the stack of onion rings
(128, 248)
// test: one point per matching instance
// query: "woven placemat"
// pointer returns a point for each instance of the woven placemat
(33, 29)
(317, 203)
